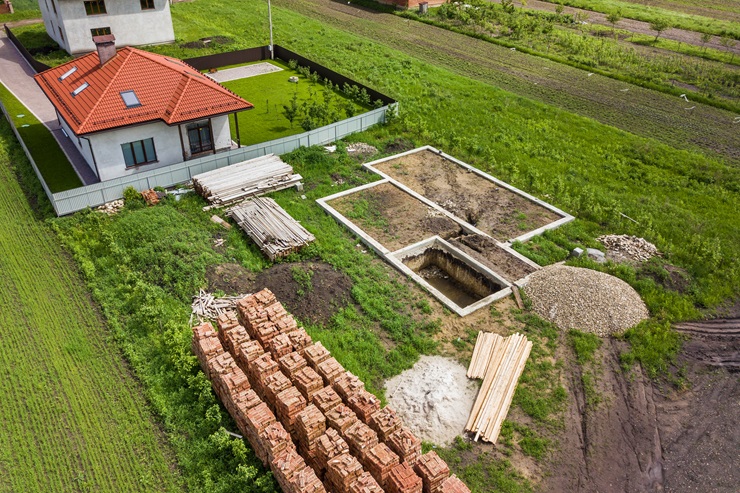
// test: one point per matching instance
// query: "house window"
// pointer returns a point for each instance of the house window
(100, 31)
(147, 4)
(61, 35)
(54, 6)
(139, 152)
(199, 135)
(95, 7)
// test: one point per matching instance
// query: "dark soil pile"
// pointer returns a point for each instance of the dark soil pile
(312, 291)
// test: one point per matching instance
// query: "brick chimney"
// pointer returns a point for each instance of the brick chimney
(106, 45)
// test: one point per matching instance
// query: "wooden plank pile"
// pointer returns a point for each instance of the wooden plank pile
(500, 362)
(230, 184)
(206, 305)
(274, 231)
(295, 409)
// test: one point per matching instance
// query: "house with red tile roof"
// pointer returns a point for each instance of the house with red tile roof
(73, 23)
(131, 110)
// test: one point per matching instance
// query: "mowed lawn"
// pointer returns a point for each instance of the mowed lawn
(269, 93)
(73, 417)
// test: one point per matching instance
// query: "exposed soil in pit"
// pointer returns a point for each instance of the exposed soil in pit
(393, 217)
(312, 291)
(472, 198)
(488, 253)
(433, 398)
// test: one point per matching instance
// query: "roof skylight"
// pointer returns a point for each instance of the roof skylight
(68, 73)
(130, 99)
(84, 86)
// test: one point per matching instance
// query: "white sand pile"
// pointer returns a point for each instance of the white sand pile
(576, 298)
(434, 398)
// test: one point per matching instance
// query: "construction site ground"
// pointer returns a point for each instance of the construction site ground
(491, 208)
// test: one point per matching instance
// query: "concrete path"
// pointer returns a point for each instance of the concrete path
(17, 76)
(244, 72)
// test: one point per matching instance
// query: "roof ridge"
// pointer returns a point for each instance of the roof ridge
(105, 91)
(179, 99)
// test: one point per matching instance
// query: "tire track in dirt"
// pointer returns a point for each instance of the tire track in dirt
(631, 108)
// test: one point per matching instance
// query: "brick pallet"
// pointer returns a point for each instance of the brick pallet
(406, 445)
(294, 391)
(433, 471)
(348, 385)
(308, 382)
(403, 479)
(379, 461)
(385, 422)
(326, 399)
(364, 404)
(315, 354)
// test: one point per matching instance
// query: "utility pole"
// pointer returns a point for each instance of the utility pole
(269, 15)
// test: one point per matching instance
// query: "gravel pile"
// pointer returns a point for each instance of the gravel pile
(626, 247)
(576, 298)
(361, 148)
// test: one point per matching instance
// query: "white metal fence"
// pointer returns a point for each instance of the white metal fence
(77, 199)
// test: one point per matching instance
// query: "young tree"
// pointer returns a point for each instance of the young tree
(613, 18)
(659, 25)
(291, 111)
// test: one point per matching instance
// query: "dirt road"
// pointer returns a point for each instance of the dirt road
(637, 27)
(631, 108)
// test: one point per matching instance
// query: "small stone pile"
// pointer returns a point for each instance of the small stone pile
(361, 148)
(626, 247)
(304, 415)
(111, 208)
(585, 299)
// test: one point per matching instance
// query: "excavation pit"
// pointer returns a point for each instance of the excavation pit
(459, 281)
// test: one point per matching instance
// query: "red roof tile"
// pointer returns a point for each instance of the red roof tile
(168, 90)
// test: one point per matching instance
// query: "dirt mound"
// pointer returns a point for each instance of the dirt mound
(585, 299)
(312, 291)
(433, 398)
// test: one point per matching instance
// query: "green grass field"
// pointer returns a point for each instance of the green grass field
(269, 93)
(49, 157)
(74, 418)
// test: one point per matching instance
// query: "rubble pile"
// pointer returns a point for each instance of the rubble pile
(626, 247)
(303, 414)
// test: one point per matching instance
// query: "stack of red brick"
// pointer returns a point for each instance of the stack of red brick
(304, 415)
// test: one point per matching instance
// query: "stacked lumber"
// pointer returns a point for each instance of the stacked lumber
(406, 445)
(454, 485)
(379, 461)
(365, 484)
(274, 231)
(258, 176)
(433, 471)
(308, 382)
(385, 422)
(296, 392)
(403, 479)
(500, 362)
(326, 399)
(364, 404)
(348, 385)
(206, 305)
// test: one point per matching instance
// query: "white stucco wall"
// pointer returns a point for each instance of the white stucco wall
(128, 23)
(80, 143)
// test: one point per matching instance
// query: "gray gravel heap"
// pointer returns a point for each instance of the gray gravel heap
(576, 298)
(625, 247)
